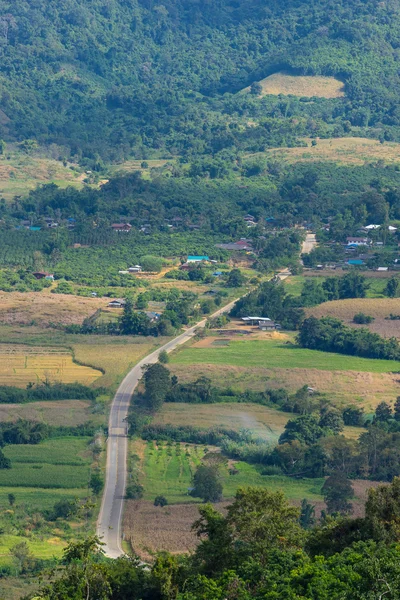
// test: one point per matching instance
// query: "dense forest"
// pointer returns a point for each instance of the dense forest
(133, 77)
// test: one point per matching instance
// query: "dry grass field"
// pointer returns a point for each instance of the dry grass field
(63, 412)
(20, 173)
(341, 387)
(379, 308)
(264, 422)
(20, 365)
(344, 151)
(150, 529)
(115, 359)
(43, 308)
(301, 85)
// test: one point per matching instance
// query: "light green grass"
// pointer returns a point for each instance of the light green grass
(44, 476)
(58, 451)
(44, 549)
(169, 473)
(274, 353)
(294, 285)
(37, 499)
(55, 463)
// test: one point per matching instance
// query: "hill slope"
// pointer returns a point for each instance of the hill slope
(125, 76)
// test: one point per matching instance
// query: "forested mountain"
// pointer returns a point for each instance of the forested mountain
(126, 77)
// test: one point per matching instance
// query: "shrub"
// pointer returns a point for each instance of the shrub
(160, 501)
(134, 491)
(362, 319)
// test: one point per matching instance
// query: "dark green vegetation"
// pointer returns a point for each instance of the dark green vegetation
(47, 391)
(331, 335)
(148, 78)
(258, 550)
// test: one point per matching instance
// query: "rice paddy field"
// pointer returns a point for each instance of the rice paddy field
(22, 365)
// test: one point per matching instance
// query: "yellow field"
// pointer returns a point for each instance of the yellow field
(44, 307)
(345, 151)
(341, 387)
(115, 359)
(301, 85)
(22, 365)
(379, 308)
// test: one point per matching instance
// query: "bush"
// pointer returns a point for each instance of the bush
(362, 319)
(134, 491)
(163, 357)
(160, 501)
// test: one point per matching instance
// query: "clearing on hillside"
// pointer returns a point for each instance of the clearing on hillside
(343, 151)
(21, 365)
(378, 308)
(301, 85)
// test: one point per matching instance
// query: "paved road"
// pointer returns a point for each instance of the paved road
(110, 517)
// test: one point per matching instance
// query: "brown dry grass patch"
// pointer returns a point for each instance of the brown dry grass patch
(64, 412)
(344, 151)
(379, 308)
(263, 421)
(302, 85)
(44, 308)
(150, 529)
(341, 387)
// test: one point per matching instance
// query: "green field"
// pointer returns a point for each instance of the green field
(294, 285)
(55, 463)
(168, 471)
(275, 353)
(38, 499)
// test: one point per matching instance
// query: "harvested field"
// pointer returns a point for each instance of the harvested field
(379, 308)
(302, 85)
(62, 412)
(263, 421)
(43, 308)
(341, 387)
(115, 359)
(343, 151)
(20, 365)
(150, 529)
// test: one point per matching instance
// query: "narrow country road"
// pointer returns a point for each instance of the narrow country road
(309, 243)
(111, 511)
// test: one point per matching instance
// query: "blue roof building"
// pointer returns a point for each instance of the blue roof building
(357, 262)
(197, 258)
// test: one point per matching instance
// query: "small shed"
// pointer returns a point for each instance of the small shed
(117, 303)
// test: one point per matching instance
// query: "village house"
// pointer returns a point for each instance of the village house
(121, 227)
(197, 259)
(117, 303)
(357, 241)
(43, 275)
(135, 269)
(268, 326)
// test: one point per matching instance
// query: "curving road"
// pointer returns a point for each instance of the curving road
(111, 511)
